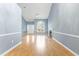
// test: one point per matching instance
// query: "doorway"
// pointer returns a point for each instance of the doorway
(30, 29)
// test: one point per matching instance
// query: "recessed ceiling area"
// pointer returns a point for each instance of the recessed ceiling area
(31, 11)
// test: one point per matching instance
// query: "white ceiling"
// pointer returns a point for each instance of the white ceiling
(33, 11)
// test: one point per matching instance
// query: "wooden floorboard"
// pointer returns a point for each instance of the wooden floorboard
(43, 47)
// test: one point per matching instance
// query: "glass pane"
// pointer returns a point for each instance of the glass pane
(41, 26)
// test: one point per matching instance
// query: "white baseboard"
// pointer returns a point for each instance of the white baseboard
(11, 49)
(66, 47)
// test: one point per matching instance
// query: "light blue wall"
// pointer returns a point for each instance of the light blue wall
(53, 17)
(24, 25)
(10, 26)
(64, 18)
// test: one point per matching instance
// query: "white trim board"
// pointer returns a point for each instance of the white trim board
(76, 36)
(11, 49)
(9, 34)
(66, 47)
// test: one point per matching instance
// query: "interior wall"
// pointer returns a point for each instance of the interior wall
(64, 18)
(24, 25)
(10, 26)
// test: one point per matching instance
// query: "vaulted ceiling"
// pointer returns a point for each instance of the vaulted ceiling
(31, 11)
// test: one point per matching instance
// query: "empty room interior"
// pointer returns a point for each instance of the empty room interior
(39, 29)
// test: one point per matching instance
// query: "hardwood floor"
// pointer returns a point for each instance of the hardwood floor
(39, 45)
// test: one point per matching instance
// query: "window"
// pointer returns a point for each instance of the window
(41, 26)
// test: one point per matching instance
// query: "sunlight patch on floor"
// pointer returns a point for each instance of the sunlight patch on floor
(27, 39)
(33, 38)
(40, 42)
